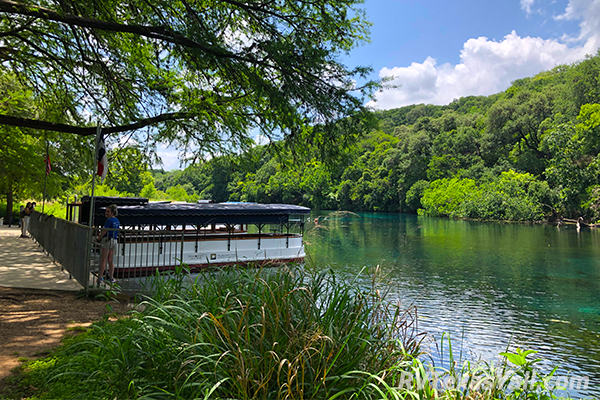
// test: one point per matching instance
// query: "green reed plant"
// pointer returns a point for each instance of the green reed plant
(275, 333)
(269, 334)
(513, 378)
(240, 334)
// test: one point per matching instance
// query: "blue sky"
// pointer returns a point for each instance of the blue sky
(439, 50)
(410, 31)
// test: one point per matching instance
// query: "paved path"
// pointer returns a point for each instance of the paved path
(23, 264)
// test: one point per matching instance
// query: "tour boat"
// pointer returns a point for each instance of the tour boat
(166, 235)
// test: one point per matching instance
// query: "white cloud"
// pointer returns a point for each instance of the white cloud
(169, 156)
(588, 12)
(260, 140)
(526, 5)
(487, 66)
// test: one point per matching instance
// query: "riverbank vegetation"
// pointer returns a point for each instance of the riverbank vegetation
(265, 334)
(529, 153)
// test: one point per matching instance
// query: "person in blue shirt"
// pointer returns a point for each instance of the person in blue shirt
(108, 238)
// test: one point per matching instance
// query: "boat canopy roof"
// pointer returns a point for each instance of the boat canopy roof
(135, 212)
(103, 201)
(205, 214)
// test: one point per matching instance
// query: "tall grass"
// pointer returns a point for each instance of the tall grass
(242, 334)
(267, 334)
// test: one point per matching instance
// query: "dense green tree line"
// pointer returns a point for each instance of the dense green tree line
(180, 71)
(528, 153)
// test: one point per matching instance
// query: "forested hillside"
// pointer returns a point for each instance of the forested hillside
(528, 153)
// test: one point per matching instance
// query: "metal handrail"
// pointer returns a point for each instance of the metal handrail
(144, 251)
(66, 242)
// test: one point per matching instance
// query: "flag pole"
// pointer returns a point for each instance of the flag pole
(94, 171)
(46, 174)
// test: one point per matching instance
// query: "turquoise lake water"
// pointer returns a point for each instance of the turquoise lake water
(489, 285)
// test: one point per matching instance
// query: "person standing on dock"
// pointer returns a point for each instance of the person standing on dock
(24, 215)
(108, 238)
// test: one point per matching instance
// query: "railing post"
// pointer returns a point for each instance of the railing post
(87, 258)
(182, 243)
(260, 226)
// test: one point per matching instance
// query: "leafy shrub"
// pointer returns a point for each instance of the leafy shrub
(414, 194)
(444, 197)
(512, 196)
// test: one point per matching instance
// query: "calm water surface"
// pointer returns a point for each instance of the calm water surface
(490, 285)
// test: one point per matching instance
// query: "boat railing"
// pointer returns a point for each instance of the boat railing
(141, 252)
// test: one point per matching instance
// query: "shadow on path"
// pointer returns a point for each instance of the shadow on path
(23, 264)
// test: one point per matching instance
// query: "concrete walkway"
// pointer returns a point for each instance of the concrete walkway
(23, 264)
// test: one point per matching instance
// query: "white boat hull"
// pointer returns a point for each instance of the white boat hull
(143, 255)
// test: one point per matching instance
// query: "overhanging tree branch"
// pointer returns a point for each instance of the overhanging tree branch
(231, 64)
(89, 131)
(155, 32)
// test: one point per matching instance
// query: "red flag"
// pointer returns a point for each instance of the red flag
(48, 165)
(102, 160)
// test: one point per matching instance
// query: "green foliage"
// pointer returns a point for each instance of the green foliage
(454, 151)
(202, 75)
(56, 208)
(575, 166)
(414, 195)
(127, 170)
(179, 193)
(510, 197)
(106, 190)
(149, 191)
(445, 197)
(22, 167)
(254, 334)
(21, 162)
(235, 334)
(526, 154)
(517, 156)
(514, 123)
(548, 155)
(582, 84)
